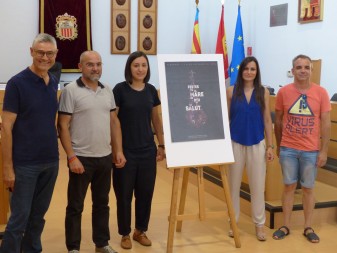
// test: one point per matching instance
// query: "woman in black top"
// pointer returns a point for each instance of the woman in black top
(138, 110)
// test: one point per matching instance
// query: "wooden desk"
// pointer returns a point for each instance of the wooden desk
(4, 196)
(274, 179)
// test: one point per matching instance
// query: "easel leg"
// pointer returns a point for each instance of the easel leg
(201, 193)
(230, 206)
(183, 197)
(173, 210)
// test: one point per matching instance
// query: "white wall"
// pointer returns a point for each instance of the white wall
(273, 46)
(175, 24)
(18, 27)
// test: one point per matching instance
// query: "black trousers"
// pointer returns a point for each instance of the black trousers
(98, 174)
(137, 177)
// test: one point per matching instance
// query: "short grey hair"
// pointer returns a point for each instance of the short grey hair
(301, 56)
(44, 37)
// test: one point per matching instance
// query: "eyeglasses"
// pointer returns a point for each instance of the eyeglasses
(304, 103)
(41, 54)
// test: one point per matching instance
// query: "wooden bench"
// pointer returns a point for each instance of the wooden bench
(332, 152)
(328, 173)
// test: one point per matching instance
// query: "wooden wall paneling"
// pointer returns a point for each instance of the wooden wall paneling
(120, 26)
(4, 196)
(147, 26)
(316, 72)
(334, 131)
(332, 150)
(333, 111)
(2, 93)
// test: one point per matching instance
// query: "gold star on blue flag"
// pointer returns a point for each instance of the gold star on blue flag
(238, 52)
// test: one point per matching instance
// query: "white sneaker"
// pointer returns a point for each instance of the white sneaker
(105, 249)
(74, 251)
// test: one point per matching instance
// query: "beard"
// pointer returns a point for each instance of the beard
(94, 77)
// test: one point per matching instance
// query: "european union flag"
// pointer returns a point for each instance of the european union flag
(238, 53)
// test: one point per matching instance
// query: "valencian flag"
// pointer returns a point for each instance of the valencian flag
(221, 45)
(196, 48)
(238, 53)
(69, 22)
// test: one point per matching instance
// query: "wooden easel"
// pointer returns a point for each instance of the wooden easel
(180, 216)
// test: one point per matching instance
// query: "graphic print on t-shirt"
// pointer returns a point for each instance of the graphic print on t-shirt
(300, 118)
(301, 107)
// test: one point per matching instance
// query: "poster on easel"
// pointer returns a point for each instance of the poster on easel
(194, 110)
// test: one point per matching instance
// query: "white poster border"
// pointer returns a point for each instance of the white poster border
(194, 153)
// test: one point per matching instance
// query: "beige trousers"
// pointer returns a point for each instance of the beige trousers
(253, 159)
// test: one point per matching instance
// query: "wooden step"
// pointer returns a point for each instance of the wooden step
(325, 207)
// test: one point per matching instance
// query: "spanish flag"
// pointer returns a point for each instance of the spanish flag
(196, 48)
(221, 44)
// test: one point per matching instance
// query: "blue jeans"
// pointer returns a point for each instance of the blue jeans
(33, 189)
(298, 165)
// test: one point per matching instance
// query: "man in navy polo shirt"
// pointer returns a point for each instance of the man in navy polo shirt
(29, 147)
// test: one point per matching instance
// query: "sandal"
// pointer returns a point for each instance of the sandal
(280, 234)
(231, 233)
(311, 236)
(260, 234)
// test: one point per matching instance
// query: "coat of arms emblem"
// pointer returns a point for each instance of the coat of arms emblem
(66, 27)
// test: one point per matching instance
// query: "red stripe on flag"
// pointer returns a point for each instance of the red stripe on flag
(221, 45)
(196, 47)
(196, 42)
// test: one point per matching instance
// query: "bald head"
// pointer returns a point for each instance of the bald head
(91, 66)
(89, 54)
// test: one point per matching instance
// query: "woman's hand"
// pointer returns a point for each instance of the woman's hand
(161, 154)
(269, 154)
